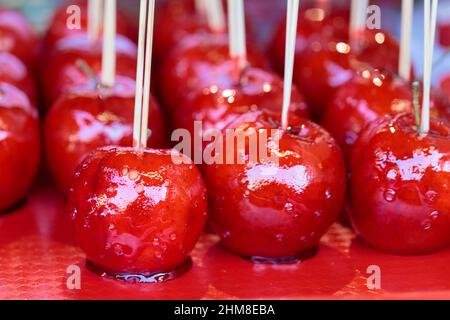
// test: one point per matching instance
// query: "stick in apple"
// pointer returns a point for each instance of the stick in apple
(404, 65)
(200, 7)
(109, 44)
(143, 75)
(215, 16)
(429, 38)
(291, 36)
(236, 26)
(140, 75)
(358, 17)
(147, 72)
(94, 19)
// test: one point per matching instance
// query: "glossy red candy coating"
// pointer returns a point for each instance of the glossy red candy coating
(17, 36)
(175, 20)
(137, 211)
(58, 29)
(197, 61)
(319, 70)
(14, 72)
(62, 71)
(370, 94)
(19, 145)
(400, 186)
(88, 118)
(271, 210)
(223, 101)
(326, 64)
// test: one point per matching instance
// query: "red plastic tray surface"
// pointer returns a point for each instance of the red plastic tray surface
(36, 250)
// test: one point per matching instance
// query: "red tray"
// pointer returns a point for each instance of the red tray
(36, 250)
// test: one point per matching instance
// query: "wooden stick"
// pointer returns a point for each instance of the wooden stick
(236, 25)
(215, 16)
(426, 38)
(200, 8)
(434, 11)
(404, 64)
(109, 44)
(140, 76)
(291, 36)
(147, 73)
(358, 17)
(94, 19)
(429, 39)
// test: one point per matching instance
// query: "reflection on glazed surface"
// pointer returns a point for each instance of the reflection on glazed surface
(88, 118)
(19, 145)
(370, 94)
(62, 69)
(135, 211)
(279, 210)
(14, 72)
(18, 36)
(400, 186)
(200, 60)
(220, 104)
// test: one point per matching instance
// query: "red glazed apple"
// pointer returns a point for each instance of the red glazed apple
(400, 186)
(136, 213)
(19, 145)
(175, 20)
(198, 60)
(278, 209)
(88, 118)
(58, 28)
(370, 94)
(223, 101)
(17, 36)
(14, 72)
(319, 70)
(322, 67)
(64, 69)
